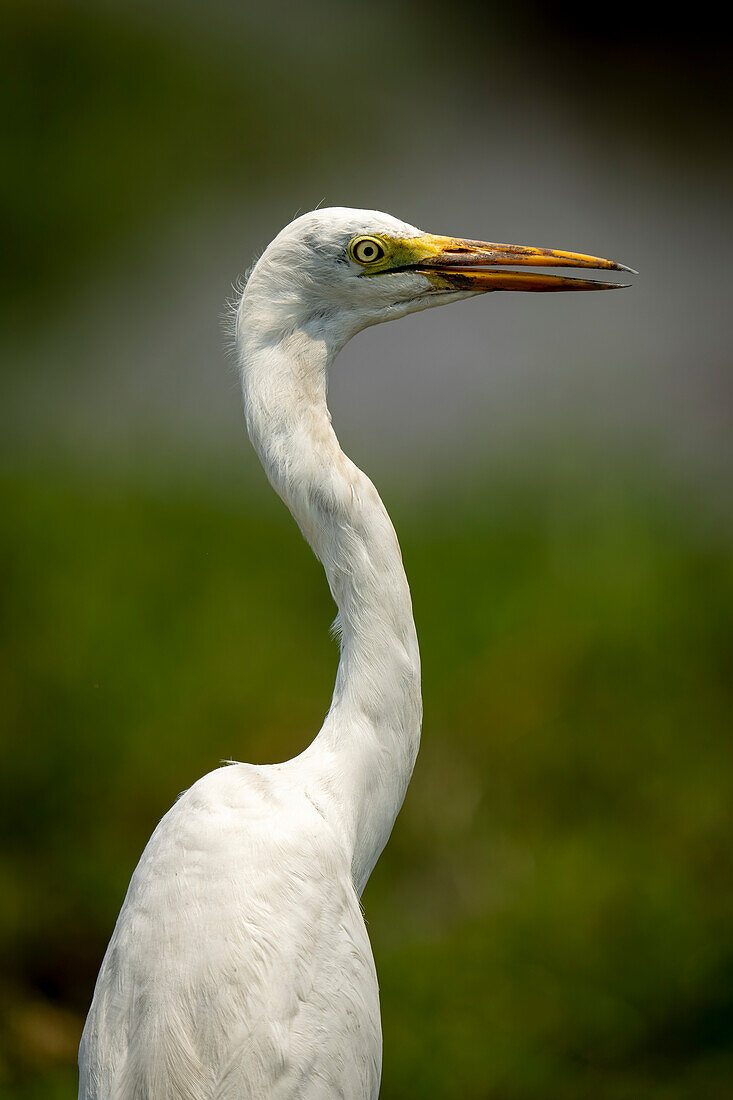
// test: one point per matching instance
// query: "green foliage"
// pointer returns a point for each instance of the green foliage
(552, 916)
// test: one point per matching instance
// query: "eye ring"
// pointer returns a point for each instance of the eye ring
(366, 250)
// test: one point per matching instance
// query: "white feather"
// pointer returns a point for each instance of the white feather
(240, 965)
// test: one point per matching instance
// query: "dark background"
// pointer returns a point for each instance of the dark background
(552, 917)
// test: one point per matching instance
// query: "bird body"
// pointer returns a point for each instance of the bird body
(240, 965)
(245, 964)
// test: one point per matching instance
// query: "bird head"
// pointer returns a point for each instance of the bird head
(343, 269)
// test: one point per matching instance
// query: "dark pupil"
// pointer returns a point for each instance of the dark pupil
(368, 251)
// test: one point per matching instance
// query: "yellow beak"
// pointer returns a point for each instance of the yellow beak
(447, 262)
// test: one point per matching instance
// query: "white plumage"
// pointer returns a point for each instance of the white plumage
(240, 965)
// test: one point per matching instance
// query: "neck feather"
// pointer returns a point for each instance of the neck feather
(361, 761)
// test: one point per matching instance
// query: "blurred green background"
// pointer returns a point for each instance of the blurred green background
(552, 916)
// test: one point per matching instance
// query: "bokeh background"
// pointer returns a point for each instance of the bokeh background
(552, 917)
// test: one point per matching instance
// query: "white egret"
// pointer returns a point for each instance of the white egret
(240, 965)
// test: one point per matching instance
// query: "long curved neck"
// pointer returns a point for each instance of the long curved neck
(362, 759)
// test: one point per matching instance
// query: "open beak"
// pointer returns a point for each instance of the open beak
(457, 264)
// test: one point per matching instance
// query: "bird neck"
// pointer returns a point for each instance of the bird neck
(360, 763)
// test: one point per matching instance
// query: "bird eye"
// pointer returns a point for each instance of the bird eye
(366, 250)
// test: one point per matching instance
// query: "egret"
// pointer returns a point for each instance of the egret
(240, 965)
